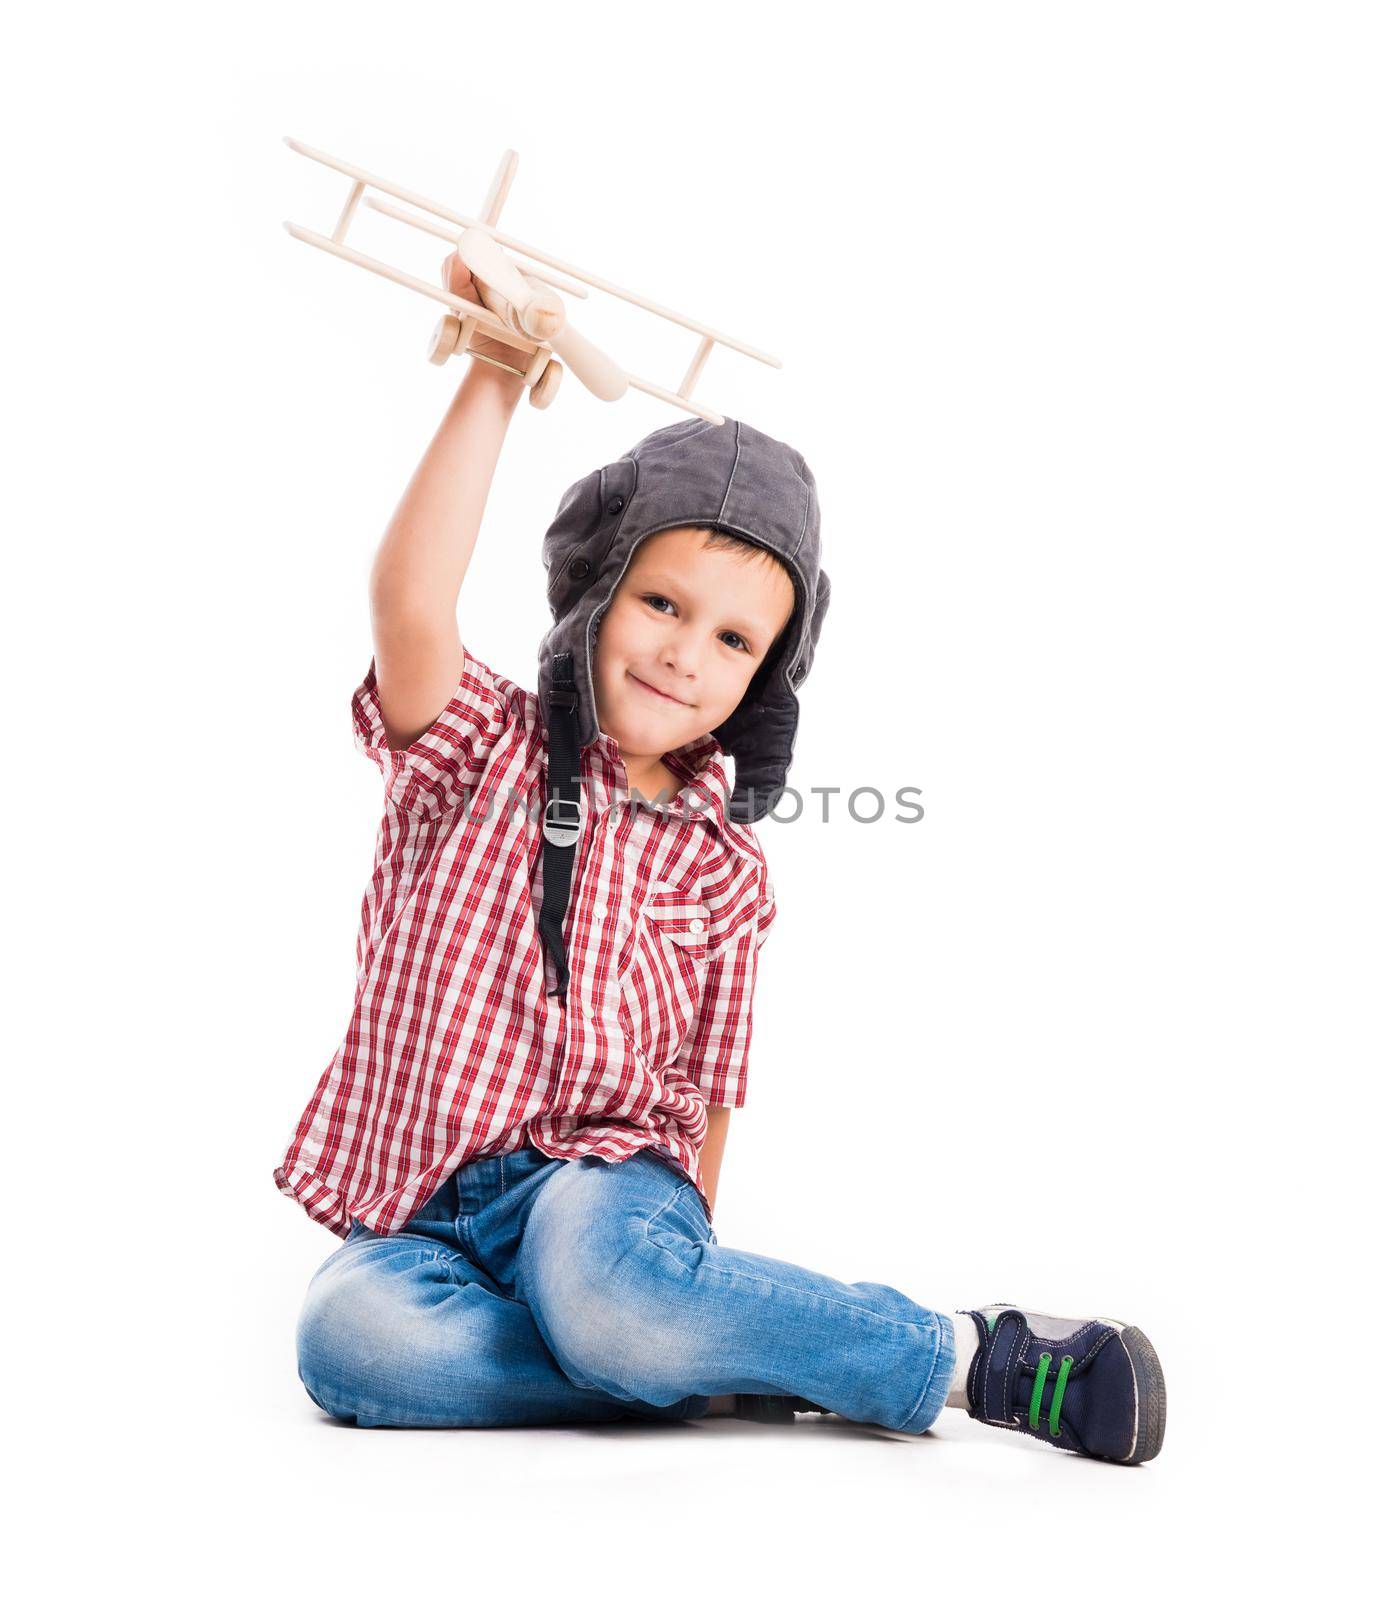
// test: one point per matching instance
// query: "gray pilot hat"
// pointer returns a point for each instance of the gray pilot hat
(728, 476)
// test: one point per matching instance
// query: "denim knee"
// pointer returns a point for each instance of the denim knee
(360, 1352)
(610, 1318)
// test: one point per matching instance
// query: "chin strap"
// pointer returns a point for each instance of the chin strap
(562, 821)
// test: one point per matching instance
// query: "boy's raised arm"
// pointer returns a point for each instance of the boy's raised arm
(421, 562)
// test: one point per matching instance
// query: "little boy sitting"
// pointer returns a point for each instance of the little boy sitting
(519, 1139)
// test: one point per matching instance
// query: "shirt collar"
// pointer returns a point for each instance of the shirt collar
(699, 763)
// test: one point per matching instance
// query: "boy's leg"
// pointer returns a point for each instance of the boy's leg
(635, 1298)
(402, 1331)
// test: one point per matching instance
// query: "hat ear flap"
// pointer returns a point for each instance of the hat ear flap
(576, 522)
(577, 543)
(760, 734)
(760, 738)
(823, 593)
(822, 596)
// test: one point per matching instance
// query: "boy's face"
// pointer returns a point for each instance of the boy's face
(690, 622)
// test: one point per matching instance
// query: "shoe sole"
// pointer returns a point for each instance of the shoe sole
(1151, 1397)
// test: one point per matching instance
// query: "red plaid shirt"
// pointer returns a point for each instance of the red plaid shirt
(455, 1052)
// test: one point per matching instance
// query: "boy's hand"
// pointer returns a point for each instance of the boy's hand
(458, 279)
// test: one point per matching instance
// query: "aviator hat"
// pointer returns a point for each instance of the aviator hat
(727, 476)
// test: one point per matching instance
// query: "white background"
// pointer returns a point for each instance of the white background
(1076, 305)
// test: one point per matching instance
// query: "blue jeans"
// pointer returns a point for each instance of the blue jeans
(533, 1289)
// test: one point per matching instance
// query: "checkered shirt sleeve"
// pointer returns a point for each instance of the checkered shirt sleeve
(717, 1046)
(434, 771)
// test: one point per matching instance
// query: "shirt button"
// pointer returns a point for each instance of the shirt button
(697, 926)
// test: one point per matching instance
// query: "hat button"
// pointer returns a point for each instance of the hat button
(615, 505)
(579, 568)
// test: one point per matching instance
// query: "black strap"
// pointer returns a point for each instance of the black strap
(563, 818)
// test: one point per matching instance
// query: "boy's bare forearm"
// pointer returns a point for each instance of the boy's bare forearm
(425, 552)
(711, 1151)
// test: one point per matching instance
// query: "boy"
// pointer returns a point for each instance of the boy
(521, 1136)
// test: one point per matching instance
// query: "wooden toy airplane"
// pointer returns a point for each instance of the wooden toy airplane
(520, 307)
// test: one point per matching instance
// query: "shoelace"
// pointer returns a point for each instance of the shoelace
(1056, 1404)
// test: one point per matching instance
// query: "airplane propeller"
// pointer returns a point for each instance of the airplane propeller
(538, 312)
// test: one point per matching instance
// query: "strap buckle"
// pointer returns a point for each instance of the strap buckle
(562, 830)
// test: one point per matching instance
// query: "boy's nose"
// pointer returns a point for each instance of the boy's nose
(681, 657)
(677, 675)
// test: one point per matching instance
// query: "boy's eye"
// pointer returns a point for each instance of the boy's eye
(655, 601)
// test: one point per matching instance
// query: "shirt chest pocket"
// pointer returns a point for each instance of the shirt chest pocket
(664, 977)
(675, 923)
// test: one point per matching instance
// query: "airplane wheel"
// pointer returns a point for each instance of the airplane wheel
(543, 391)
(445, 339)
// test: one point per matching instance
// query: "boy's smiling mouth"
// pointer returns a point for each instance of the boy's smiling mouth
(660, 694)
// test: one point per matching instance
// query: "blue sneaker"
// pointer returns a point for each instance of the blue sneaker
(1088, 1385)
